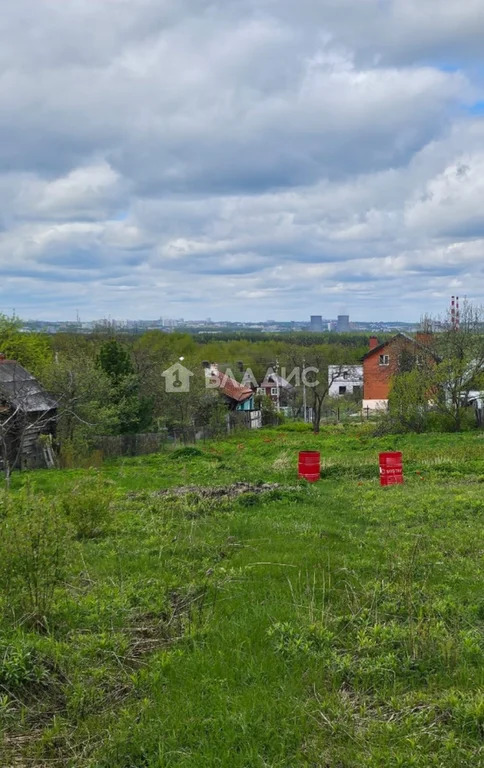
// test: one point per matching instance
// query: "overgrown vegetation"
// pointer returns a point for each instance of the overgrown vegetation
(432, 387)
(34, 553)
(108, 385)
(334, 624)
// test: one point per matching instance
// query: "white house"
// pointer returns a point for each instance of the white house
(345, 380)
(476, 399)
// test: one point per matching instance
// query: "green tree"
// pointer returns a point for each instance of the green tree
(461, 366)
(314, 362)
(32, 350)
(441, 374)
(83, 392)
(152, 353)
(134, 411)
(408, 402)
(115, 361)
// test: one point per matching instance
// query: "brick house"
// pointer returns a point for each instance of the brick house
(382, 361)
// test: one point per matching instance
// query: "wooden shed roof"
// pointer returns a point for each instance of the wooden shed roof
(22, 390)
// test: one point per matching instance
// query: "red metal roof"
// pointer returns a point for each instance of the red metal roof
(230, 387)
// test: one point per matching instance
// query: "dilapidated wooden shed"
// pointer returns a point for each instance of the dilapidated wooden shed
(28, 416)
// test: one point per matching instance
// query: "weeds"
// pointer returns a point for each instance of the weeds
(88, 506)
(223, 613)
(35, 549)
(24, 662)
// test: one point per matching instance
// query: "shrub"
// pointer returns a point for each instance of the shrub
(35, 547)
(25, 661)
(89, 506)
(186, 453)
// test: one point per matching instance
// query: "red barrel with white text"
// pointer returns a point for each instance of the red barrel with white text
(309, 465)
(391, 468)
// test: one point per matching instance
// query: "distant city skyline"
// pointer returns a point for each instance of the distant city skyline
(62, 313)
(170, 324)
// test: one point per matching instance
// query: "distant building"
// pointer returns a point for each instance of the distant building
(277, 388)
(343, 324)
(316, 324)
(476, 398)
(239, 398)
(345, 380)
(382, 362)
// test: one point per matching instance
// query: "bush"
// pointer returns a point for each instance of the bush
(297, 426)
(89, 506)
(35, 548)
(186, 453)
(25, 662)
(444, 422)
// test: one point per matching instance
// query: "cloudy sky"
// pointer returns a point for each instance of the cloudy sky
(241, 159)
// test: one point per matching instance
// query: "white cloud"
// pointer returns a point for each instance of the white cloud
(240, 159)
(451, 202)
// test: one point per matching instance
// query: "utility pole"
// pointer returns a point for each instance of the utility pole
(304, 389)
(277, 386)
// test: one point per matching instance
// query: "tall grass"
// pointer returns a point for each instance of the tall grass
(334, 624)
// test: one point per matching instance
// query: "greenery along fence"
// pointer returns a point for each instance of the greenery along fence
(343, 413)
(112, 446)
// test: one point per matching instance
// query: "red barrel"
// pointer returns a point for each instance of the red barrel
(391, 468)
(309, 465)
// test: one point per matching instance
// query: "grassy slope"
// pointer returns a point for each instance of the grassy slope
(337, 624)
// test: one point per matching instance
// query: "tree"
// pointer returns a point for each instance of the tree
(32, 350)
(461, 367)
(83, 394)
(314, 363)
(408, 402)
(115, 361)
(441, 372)
(134, 411)
(152, 353)
(267, 408)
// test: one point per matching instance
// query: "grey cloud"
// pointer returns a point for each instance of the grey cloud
(224, 107)
(249, 157)
(398, 31)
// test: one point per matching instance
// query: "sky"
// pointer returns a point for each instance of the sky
(241, 159)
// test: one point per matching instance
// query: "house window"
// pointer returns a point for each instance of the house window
(384, 359)
(342, 390)
(261, 391)
(273, 390)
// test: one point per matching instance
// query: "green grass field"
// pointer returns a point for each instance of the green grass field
(333, 625)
